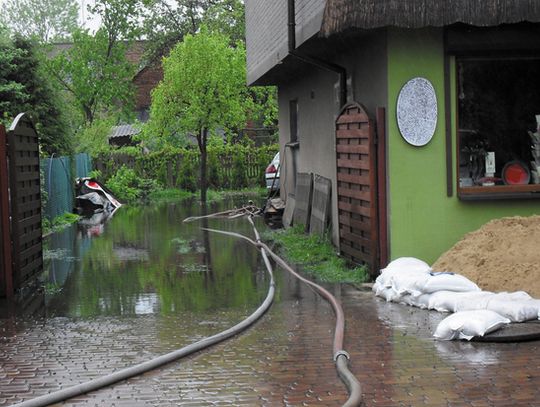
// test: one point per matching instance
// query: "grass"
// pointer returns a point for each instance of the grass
(212, 195)
(316, 256)
(170, 194)
(58, 223)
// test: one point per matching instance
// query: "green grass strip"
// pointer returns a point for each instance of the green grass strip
(316, 256)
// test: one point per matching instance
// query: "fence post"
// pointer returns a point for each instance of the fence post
(6, 272)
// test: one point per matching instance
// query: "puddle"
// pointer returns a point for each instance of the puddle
(146, 261)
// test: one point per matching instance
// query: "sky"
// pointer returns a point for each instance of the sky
(84, 17)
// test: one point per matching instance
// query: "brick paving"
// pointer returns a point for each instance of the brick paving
(284, 360)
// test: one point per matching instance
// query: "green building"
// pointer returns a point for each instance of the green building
(420, 113)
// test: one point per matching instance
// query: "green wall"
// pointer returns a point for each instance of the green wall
(423, 221)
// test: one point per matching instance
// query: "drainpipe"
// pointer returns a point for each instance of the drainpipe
(327, 66)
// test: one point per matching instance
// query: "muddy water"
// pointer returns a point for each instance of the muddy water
(146, 261)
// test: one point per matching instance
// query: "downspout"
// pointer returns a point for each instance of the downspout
(327, 66)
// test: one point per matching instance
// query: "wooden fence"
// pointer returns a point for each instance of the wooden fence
(251, 170)
(22, 253)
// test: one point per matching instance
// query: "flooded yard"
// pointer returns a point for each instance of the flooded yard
(145, 284)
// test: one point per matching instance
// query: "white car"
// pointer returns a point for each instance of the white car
(271, 174)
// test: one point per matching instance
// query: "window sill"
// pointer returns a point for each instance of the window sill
(529, 191)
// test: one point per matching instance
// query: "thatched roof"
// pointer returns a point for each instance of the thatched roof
(340, 15)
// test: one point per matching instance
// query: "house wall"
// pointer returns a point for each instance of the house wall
(423, 221)
(266, 31)
(317, 94)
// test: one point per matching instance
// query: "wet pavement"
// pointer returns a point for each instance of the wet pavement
(129, 295)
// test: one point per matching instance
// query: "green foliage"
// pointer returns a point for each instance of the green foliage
(24, 87)
(58, 223)
(316, 255)
(177, 167)
(127, 186)
(168, 22)
(95, 71)
(94, 174)
(169, 195)
(44, 20)
(93, 138)
(203, 88)
(188, 171)
(263, 106)
(239, 176)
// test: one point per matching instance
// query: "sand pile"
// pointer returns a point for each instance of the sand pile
(503, 255)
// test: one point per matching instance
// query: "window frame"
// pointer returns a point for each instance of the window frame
(462, 40)
(495, 192)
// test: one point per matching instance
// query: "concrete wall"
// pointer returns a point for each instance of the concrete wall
(317, 94)
(423, 221)
(266, 31)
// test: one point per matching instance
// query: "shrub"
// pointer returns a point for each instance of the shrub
(127, 186)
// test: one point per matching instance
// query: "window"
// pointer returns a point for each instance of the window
(498, 101)
(293, 120)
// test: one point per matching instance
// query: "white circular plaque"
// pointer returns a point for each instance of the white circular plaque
(417, 111)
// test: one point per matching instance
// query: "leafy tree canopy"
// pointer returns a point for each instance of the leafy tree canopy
(167, 22)
(95, 70)
(96, 73)
(44, 20)
(24, 87)
(203, 87)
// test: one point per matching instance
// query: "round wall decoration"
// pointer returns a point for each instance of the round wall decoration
(417, 111)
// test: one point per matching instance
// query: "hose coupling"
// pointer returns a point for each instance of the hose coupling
(341, 353)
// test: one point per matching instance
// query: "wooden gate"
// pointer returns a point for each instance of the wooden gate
(24, 202)
(356, 156)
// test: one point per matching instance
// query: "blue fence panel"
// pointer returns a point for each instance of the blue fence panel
(58, 185)
(83, 165)
(59, 182)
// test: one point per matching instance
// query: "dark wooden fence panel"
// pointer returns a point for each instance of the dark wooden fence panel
(357, 186)
(6, 271)
(24, 178)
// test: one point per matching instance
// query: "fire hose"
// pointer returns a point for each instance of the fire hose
(341, 357)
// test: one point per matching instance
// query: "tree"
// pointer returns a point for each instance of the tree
(25, 88)
(203, 89)
(96, 73)
(45, 20)
(167, 22)
(95, 70)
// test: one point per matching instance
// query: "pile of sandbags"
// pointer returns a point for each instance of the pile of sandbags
(411, 281)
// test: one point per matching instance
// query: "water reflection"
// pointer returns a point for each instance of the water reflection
(147, 261)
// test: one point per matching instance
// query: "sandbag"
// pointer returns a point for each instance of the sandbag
(468, 324)
(451, 301)
(402, 266)
(514, 310)
(410, 282)
(422, 301)
(388, 294)
(448, 282)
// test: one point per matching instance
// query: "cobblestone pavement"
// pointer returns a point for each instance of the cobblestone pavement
(285, 359)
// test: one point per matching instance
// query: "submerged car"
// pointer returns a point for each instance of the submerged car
(271, 174)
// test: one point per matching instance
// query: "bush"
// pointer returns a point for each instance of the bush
(229, 166)
(127, 186)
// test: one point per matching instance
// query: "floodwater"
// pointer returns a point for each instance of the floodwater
(145, 284)
(145, 260)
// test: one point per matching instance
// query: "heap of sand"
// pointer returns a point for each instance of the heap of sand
(503, 255)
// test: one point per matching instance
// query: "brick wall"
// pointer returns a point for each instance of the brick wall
(145, 81)
(266, 31)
